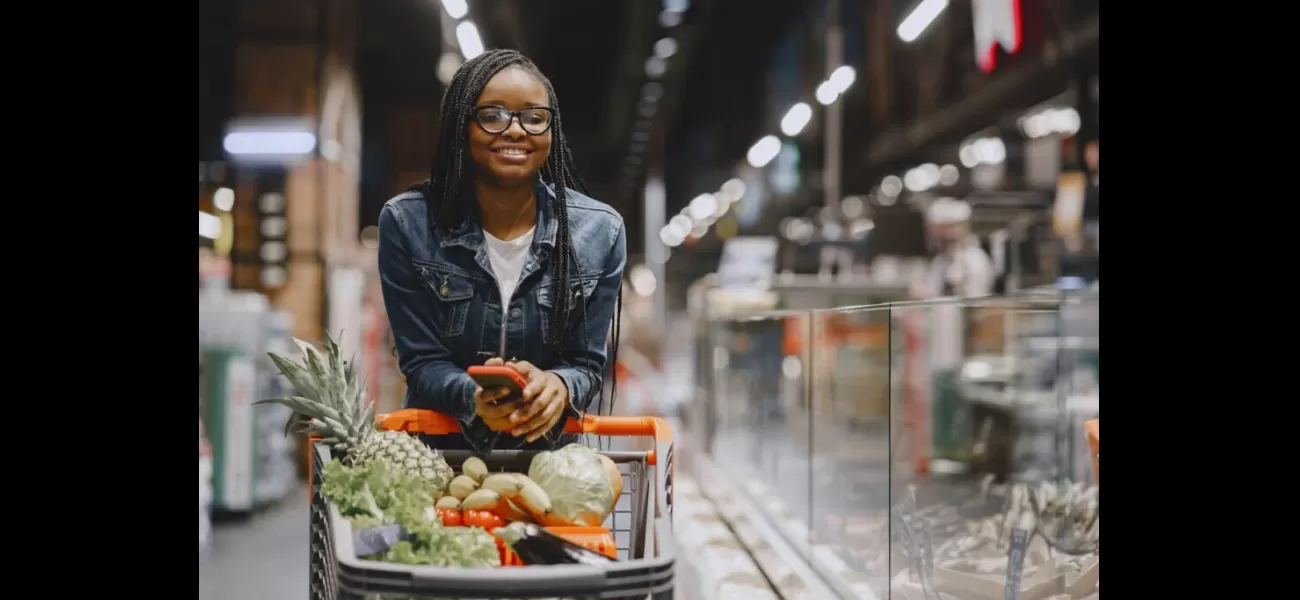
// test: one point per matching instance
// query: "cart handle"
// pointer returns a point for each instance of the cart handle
(428, 422)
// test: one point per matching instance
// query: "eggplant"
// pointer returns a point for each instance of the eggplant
(376, 540)
(537, 546)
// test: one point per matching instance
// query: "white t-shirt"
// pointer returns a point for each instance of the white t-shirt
(507, 259)
(964, 272)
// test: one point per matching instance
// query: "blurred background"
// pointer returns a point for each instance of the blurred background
(863, 274)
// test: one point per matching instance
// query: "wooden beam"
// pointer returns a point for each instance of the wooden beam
(1023, 87)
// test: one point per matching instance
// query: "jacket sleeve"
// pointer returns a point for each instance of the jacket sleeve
(585, 355)
(433, 381)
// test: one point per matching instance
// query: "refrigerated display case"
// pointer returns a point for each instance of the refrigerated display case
(853, 496)
(1028, 381)
(1025, 402)
(782, 345)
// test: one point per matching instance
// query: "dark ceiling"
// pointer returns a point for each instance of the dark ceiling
(594, 52)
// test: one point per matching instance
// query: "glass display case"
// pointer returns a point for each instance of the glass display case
(1004, 495)
(914, 448)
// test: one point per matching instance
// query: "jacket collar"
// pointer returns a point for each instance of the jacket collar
(469, 233)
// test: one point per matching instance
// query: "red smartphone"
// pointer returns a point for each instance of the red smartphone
(499, 377)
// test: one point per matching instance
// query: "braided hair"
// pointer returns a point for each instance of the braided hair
(449, 188)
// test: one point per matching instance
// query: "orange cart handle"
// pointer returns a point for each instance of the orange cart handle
(428, 422)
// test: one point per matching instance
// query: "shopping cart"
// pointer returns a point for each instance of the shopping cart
(641, 524)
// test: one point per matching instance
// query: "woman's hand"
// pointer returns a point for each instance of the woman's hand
(542, 404)
(495, 416)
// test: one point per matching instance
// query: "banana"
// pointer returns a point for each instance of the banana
(506, 484)
(475, 467)
(481, 500)
(533, 499)
(462, 486)
(508, 511)
(448, 502)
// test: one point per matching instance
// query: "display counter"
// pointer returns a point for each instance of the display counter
(909, 449)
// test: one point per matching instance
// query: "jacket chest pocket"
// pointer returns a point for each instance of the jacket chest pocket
(579, 292)
(452, 295)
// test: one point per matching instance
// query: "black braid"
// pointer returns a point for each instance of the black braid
(449, 191)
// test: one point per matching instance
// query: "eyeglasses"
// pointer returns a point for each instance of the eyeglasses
(497, 119)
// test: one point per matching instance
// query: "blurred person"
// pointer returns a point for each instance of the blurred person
(1078, 245)
(960, 268)
(497, 259)
(1091, 227)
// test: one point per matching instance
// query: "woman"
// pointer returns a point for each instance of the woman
(498, 260)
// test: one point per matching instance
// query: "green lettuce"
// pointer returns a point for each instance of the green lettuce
(374, 495)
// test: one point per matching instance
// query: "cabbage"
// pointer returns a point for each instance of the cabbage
(575, 480)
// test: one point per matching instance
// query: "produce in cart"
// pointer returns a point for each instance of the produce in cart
(374, 496)
(508, 485)
(536, 546)
(581, 489)
(331, 402)
(578, 485)
(637, 563)
(387, 481)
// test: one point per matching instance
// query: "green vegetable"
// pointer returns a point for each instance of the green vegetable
(373, 495)
(575, 479)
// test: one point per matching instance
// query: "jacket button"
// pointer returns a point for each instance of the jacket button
(515, 313)
(445, 289)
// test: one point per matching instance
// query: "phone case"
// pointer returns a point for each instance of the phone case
(495, 377)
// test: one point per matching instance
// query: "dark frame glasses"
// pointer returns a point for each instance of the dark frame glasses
(535, 121)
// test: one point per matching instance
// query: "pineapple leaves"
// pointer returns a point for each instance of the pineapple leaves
(306, 407)
(329, 398)
(332, 352)
(296, 423)
(297, 375)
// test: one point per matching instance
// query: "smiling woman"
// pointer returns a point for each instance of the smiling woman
(512, 154)
(498, 260)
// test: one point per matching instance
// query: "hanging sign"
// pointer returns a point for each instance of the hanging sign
(997, 23)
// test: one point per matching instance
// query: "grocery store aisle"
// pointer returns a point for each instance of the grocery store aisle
(261, 558)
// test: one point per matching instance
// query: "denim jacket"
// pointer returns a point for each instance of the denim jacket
(444, 306)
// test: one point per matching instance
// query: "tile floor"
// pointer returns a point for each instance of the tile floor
(263, 557)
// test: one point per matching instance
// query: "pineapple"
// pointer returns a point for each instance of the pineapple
(331, 402)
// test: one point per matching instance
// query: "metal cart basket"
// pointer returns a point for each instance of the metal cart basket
(641, 524)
